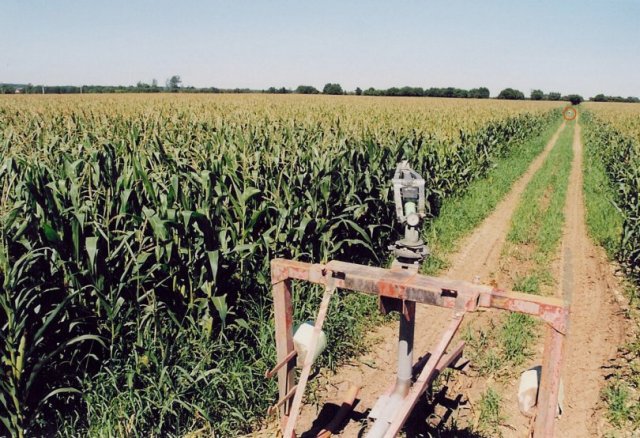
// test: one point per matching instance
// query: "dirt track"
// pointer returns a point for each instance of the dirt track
(597, 327)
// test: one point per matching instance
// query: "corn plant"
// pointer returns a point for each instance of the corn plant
(614, 138)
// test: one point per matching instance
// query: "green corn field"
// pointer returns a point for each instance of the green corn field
(613, 137)
(136, 234)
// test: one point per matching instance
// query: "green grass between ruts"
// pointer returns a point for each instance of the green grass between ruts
(460, 215)
(538, 223)
(539, 219)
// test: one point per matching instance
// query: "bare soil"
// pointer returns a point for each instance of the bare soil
(584, 277)
(597, 326)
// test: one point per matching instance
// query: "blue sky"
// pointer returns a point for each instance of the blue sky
(569, 46)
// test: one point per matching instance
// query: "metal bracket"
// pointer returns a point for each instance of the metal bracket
(396, 287)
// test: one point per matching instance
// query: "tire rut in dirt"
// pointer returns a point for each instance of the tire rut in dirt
(597, 325)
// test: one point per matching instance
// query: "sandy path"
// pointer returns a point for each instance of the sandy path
(585, 279)
(597, 325)
(375, 371)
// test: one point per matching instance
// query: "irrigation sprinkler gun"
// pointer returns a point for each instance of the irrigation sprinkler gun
(408, 196)
(399, 288)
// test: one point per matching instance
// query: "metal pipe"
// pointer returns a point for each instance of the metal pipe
(405, 347)
(405, 371)
(423, 381)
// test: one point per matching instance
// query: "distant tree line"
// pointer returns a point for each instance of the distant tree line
(74, 89)
(511, 94)
(575, 99)
(174, 85)
(336, 89)
(274, 90)
(603, 98)
(475, 93)
(307, 89)
(139, 88)
(540, 95)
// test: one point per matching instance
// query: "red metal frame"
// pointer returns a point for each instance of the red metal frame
(407, 285)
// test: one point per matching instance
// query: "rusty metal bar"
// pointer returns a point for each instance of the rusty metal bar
(407, 285)
(282, 401)
(283, 310)
(549, 384)
(272, 372)
(447, 360)
(551, 310)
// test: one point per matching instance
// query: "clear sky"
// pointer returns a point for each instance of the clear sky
(570, 46)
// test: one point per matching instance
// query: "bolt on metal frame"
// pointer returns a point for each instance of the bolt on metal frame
(402, 289)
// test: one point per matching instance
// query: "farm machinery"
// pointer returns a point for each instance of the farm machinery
(399, 289)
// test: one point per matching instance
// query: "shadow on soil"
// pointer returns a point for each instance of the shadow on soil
(423, 422)
(429, 419)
